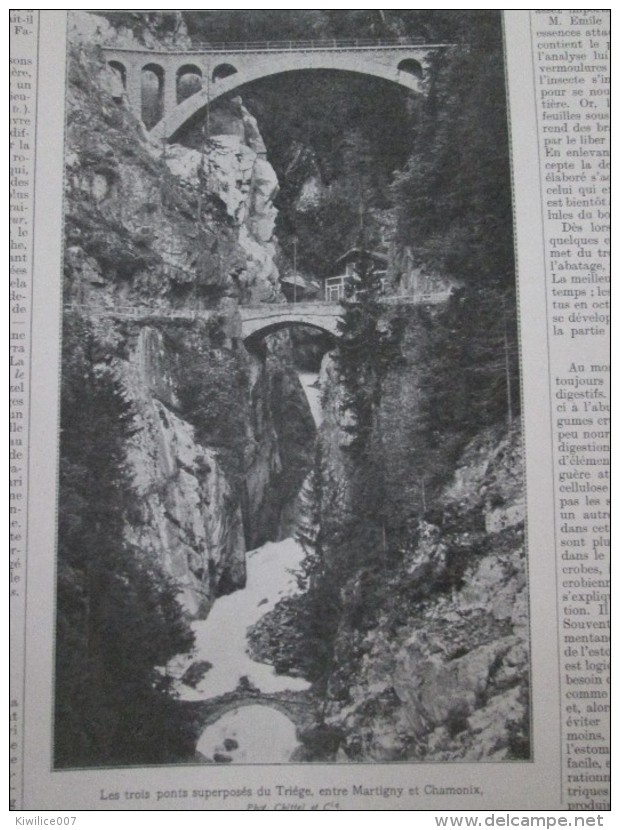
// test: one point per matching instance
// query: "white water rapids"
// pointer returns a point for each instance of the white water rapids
(255, 733)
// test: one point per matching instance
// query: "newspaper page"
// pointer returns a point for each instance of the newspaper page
(310, 419)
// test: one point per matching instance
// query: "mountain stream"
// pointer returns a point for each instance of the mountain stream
(253, 733)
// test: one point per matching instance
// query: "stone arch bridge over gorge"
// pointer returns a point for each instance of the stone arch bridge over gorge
(259, 321)
(254, 322)
(216, 70)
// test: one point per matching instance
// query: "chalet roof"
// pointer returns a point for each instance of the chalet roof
(300, 280)
(357, 252)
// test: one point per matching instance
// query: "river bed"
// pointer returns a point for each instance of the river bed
(252, 733)
(310, 383)
(221, 639)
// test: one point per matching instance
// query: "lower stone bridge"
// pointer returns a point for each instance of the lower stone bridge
(258, 321)
(299, 707)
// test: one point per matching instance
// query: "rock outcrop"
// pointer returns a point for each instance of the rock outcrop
(231, 165)
(190, 518)
(443, 674)
(171, 227)
(152, 29)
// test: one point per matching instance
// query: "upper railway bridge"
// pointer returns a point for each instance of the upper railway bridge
(215, 70)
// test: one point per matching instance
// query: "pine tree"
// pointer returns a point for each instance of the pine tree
(369, 346)
(323, 508)
(453, 198)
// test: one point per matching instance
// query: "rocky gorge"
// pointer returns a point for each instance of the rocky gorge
(407, 632)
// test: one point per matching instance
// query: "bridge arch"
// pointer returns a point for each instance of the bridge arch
(152, 80)
(119, 79)
(254, 339)
(223, 70)
(410, 76)
(188, 81)
(298, 711)
(120, 69)
(413, 67)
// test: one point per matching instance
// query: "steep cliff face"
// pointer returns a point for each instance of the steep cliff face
(231, 166)
(190, 517)
(153, 235)
(136, 235)
(280, 410)
(442, 672)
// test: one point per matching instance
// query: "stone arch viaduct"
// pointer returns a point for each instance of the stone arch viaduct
(217, 70)
(259, 321)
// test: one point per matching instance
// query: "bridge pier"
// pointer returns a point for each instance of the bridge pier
(170, 89)
(133, 88)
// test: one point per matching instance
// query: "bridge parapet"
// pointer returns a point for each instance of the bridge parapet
(283, 45)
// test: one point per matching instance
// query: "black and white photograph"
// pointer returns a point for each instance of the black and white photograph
(291, 484)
